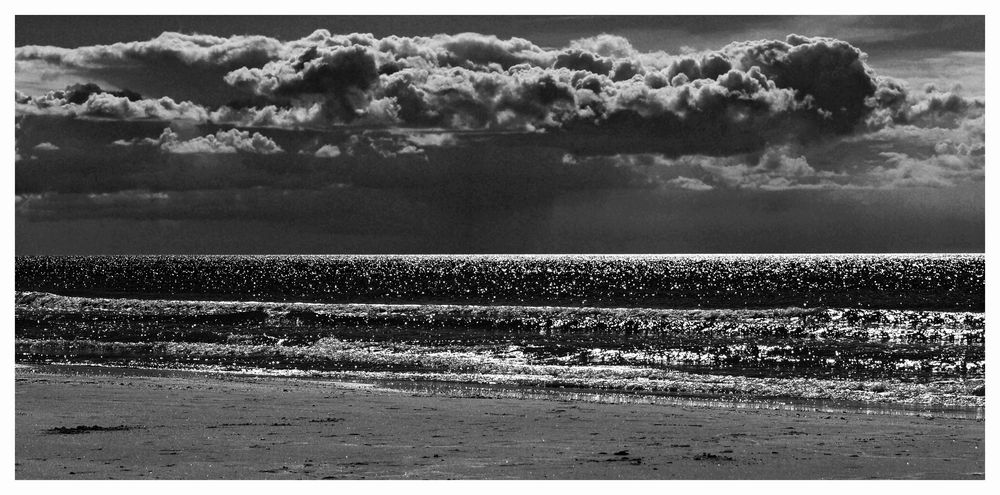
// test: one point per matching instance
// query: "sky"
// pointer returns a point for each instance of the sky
(502, 134)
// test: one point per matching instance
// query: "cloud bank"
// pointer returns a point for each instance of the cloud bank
(472, 81)
(457, 125)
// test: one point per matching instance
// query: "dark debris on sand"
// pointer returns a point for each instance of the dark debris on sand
(76, 430)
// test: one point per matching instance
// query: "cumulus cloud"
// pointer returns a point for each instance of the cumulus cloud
(223, 141)
(930, 108)
(474, 143)
(310, 116)
(745, 116)
(689, 183)
(777, 168)
(432, 139)
(190, 49)
(473, 81)
(384, 146)
(328, 151)
(95, 103)
(46, 146)
(605, 45)
(181, 66)
(943, 109)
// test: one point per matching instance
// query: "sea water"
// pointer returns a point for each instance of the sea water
(865, 329)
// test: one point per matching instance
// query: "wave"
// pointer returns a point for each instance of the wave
(496, 370)
(928, 282)
(845, 345)
(288, 320)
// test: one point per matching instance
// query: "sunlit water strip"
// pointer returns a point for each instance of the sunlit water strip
(514, 392)
(666, 399)
(926, 282)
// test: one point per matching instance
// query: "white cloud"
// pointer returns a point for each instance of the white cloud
(46, 146)
(104, 105)
(228, 141)
(689, 183)
(328, 151)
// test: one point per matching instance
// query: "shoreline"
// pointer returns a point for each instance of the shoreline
(202, 426)
(440, 385)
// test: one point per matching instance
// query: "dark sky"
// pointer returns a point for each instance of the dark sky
(645, 32)
(643, 134)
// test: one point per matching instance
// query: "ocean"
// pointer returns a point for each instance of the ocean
(904, 331)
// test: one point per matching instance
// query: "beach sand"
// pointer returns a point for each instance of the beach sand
(195, 426)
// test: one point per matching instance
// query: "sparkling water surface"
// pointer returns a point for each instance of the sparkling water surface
(873, 329)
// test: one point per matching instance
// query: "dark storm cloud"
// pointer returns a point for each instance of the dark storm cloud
(599, 95)
(476, 81)
(749, 93)
(475, 140)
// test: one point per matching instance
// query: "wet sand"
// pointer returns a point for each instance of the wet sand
(192, 426)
